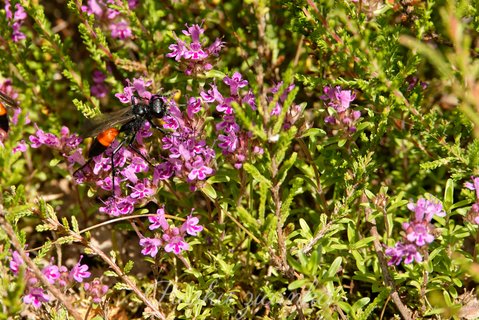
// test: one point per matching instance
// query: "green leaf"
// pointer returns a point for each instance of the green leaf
(313, 132)
(334, 268)
(246, 217)
(299, 284)
(121, 286)
(257, 176)
(128, 266)
(448, 195)
(215, 74)
(109, 273)
(74, 223)
(362, 243)
(209, 191)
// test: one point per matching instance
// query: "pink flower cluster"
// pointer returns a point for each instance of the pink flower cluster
(234, 143)
(172, 238)
(118, 26)
(16, 20)
(293, 113)
(474, 212)
(67, 144)
(342, 118)
(192, 56)
(418, 232)
(58, 276)
(99, 88)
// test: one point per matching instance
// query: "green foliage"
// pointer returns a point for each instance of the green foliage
(296, 232)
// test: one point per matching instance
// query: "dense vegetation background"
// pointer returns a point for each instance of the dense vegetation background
(315, 159)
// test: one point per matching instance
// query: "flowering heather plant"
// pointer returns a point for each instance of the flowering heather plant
(59, 276)
(418, 232)
(271, 179)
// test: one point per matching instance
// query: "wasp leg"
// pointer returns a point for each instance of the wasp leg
(157, 127)
(117, 149)
(82, 167)
(130, 145)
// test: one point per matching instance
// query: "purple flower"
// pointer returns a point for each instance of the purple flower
(120, 30)
(408, 252)
(52, 273)
(150, 246)
(115, 206)
(194, 32)
(99, 89)
(16, 20)
(163, 171)
(225, 106)
(96, 290)
(191, 226)
(192, 57)
(177, 50)
(20, 13)
(199, 170)
(140, 86)
(159, 221)
(193, 106)
(126, 95)
(175, 242)
(228, 143)
(141, 190)
(41, 138)
(340, 100)
(249, 98)
(36, 296)
(211, 95)
(8, 11)
(235, 82)
(337, 98)
(16, 262)
(64, 276)
(21, 147)
(425, 210)
(216, 47)
(418, 233)
(80, 271)
(473, 186)
(94, 7)
(195, 52)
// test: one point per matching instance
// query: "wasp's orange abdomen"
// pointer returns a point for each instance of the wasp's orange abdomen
(107, 137)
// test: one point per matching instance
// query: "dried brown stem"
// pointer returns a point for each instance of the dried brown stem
(403, 309)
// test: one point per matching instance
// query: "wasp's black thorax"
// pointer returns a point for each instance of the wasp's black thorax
(156, 109)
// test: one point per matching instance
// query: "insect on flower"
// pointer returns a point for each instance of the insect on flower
(130, 120)
(5, 101)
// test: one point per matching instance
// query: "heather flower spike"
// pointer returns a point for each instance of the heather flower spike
(192, 56)
(339, 100)
(171, 238)
(58, 276)
(119, 27)
(418, 232)
(473, 214)
(16, 20)
(80, 271)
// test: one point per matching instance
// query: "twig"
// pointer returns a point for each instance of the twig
(405, 312)
(127, 280)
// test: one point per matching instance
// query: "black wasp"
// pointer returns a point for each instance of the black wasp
(130, 120)
(4, 102)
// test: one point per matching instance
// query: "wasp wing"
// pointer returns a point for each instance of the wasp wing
(8, 101)
(97, 125)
